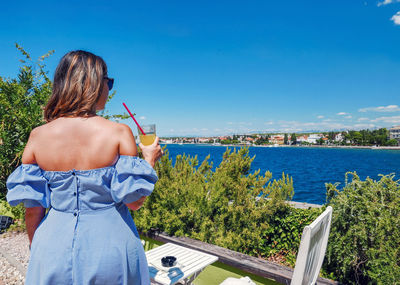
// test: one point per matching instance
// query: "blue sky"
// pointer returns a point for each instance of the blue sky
(222, 67)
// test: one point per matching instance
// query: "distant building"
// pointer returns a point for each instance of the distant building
(277, 139)
(339, 137)
(302, 139)
(249, 139)
(313, 138)
(394, 133)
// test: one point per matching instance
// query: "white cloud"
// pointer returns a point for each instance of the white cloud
(348, 117)
(389, 108)
(142, 118)
(391, 120)
(240, 123)
(386, 2)
(362, 119)
(295, 126)
(396, 18)
(204, 129)
(364, 126)
(245, 123)
(269, 123)
(341, 114)
(320, 117)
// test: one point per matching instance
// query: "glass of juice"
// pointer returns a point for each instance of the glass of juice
(150, 136)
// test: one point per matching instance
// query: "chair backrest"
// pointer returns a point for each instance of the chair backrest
(312, 249)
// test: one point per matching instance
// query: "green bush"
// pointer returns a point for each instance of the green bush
(17, 213)
(21, 109)
(364, 244)
(221, 207)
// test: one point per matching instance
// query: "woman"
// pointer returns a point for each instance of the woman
(86, 170)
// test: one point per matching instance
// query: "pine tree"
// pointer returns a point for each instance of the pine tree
(285, 139)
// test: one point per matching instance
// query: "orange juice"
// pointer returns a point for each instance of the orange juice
(147, 139)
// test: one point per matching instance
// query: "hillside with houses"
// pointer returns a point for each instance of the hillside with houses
(379, 137)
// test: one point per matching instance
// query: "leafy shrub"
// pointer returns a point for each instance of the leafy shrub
(21, 109)
(364, 244)
(222, 206)
(17, 213)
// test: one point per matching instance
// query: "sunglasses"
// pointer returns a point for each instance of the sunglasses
(110, 82)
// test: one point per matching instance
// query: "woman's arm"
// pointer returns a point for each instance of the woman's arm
(137, 204)
(150, 153)
(33, 216)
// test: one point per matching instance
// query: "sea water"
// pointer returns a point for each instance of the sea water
(309, 167)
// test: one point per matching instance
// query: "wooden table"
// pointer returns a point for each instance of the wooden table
(189, 264)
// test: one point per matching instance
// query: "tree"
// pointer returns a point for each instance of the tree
(381, 136)
(364, 242)
(365, 135)
(392, 142)
(21, 103)
(293, 138)
(261, 140)
(285, 139)
(331, 137)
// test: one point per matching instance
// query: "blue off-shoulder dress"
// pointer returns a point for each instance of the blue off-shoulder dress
(88, 236)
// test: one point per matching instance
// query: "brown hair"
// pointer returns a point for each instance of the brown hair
(77, 86)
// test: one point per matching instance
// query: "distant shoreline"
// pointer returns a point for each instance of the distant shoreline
(294, 146)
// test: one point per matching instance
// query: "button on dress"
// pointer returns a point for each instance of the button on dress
(88, 236)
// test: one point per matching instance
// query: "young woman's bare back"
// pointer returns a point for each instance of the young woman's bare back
(78, 143)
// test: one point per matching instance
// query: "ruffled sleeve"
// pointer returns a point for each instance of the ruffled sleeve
(133, 178)
(27, 185)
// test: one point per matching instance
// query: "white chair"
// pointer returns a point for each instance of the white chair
(312, 249)
(311, 252)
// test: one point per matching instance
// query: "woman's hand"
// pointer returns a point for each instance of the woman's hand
(152, 153)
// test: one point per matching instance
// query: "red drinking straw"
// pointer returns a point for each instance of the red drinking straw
(140, 128)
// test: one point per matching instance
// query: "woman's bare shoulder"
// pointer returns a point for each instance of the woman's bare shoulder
(124, 135)
(36, 133)
(114, 127)
(28, 156)
(127, 144)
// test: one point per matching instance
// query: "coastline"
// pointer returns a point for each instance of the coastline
(294, 146)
